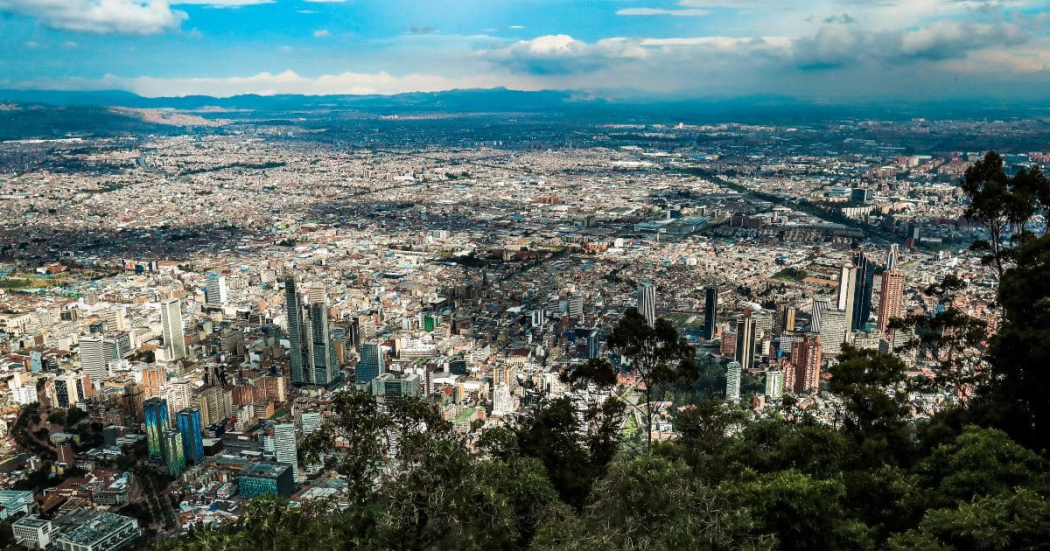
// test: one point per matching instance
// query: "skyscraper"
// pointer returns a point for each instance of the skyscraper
(93, 357)
(847, 293)
(215, 292)
(785, 320)
(733, 371)
(171, 320)
(188, 422)
(806, 356)
(893, 256)
(371, 365)
(647, 302)
(324, 369)
(865, 289)
(296, 336)
(891, 298)
(833, 331)
(173, 452)
(820, 304)
(156, 412)
(745, 342)
(710, 311)
(774, 383)
(285, 449)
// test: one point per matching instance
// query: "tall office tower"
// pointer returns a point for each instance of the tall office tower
(296, 333)
(785, 319)
(371, 365)
(93, 357)
(171, 319)
(173, 452)
(310, 421)
(891, 298)
(893, 256)
(820, 304)
(710, 311)
(285, 450)
(324, 369)
(67, 392)
(746, 330)
(806, 356)
(215, 292)
(647, 302)
(865, 289)
(833, 331)
(593, 337)
(733, 371)
(156, 412)
(188, 422)
(774, 383)
(847, 293)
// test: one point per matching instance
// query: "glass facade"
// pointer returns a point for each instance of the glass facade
(189, 426)
(156, 411)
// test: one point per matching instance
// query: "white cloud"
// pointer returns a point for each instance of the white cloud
(69, 44)
(287, 82)
(688, 12)
(99, 16)
(221, 3)
(325, 1)
(32, 45)
(321, 33)
(562, 54)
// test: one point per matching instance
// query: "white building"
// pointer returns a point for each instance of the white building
(774, 384)
(733, 372)
(171, 321)
(33, 532)
(93, 357)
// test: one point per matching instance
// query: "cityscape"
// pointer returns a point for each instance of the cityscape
(495, 314)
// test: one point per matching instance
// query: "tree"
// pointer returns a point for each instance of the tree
(1020, 520)
(656, 354)
(1000, 203)
(874, 397)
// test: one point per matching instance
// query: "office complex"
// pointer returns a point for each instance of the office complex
(215, 291)
(261, 479)
(285, 448)
(647, 302)
(372, 363)
(746, 329)
(188, 423)
(312, 354)
(820, 304)
(156, 413)
(93, 357)
(865, 288)
(173, 452)
(774, 384)
(833, 330)
(171, 322)
(733, 374)
(710, 311)
(847, 294)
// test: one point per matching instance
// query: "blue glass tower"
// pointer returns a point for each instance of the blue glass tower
(189, 425)
(156, 410)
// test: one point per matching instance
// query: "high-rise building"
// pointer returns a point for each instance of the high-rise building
(710, 311)
(847, 293)
(285, 448)
(647, 302)
(893, 256)
(785, 320)
(215, 291)
(774, 384)
(113, 319)
(820, 304)
(66, 391)
(310, 421)
(173, 452)
(806, 356)
(865, 289)
(891, 298)
(733, 373)
(188, 422)
(156, 413)
(324, 369)
(296, 333)
(833, 331)
(93, 357)
(746, 330)
(372, 363)
(171, 320)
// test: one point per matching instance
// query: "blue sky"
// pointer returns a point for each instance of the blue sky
(816, 49)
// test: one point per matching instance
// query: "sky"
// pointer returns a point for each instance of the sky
(823, 50)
